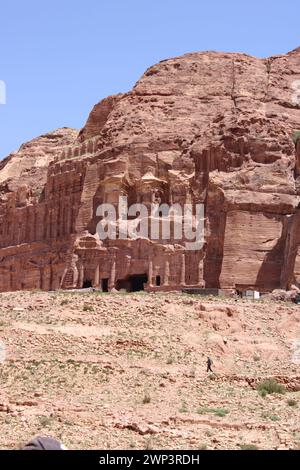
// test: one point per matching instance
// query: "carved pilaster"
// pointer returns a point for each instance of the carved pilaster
(182, 280)
(150, 273)
(112, 278)
(97, 276)
(166, 273)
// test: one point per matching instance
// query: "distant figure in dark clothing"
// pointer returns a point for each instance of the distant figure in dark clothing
(209, 364)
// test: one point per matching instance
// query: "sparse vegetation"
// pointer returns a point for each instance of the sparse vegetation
(270, 386)
(248, 447)
(146, 398)
(132, 444)
(170, 360)
(221, 412)
(88, 308)
(183, 408)
(149, 443)
(44, 421)
(272, 417)
(202, 447)
(76, 368)
(68, 422)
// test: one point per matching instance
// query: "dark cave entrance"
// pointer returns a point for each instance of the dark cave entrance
(87, 284)
(104, 285)
(133, 283)
(137, 282)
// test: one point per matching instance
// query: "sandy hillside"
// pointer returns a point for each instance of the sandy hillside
(128, 371)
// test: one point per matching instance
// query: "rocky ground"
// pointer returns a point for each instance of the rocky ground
(128, 371)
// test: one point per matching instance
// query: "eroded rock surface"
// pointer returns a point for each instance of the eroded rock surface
(212, 128)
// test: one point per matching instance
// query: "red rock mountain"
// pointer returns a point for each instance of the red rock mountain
(213, 128)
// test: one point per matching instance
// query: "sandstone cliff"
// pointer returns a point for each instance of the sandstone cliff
(212, 128)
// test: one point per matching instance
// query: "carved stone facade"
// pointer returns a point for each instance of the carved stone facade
(206, 128)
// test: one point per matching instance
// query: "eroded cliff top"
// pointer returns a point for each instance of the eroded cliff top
(29, 164)
(185, 106)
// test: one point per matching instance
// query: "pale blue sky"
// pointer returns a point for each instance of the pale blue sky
(58, 58)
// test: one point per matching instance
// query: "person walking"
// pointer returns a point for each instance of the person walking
(209, 363)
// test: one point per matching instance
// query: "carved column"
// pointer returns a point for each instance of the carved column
(112, 279)
(182, 281)
(42, 283)
(49, 226)
(97, 276)
(150, 272)
(51, 275)
(128, 264)
(81, 276)
(167, 273)
(75, 277)
(55, 278)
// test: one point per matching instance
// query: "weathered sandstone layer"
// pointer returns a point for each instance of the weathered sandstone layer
(212, 128)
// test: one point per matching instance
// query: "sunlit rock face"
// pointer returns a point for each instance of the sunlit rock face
(206, 128)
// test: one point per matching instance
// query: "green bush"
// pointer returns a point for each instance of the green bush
(184, 408)
(274, 418)
(216, 411)
(292, 402)
(270, 416)
(269, 386)
(221, 413)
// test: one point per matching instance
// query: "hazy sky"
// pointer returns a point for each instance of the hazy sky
(58, 58)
